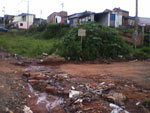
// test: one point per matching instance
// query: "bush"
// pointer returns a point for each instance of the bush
(99, 42)
(37, 27)
(55, 30)
(146, 50)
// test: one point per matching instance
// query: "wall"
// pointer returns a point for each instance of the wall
(25, 24)
(103, 20)
(17, 18)
(52, 17)
(131, 39)
(58, 18)
(86, 19)
(30, 18)
(118, 21)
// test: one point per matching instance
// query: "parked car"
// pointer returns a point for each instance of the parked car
(3, 29)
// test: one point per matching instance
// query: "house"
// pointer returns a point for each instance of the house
(106, 18)
(79, 18)
(1, 21)
(122, 12)
(23, 21)
(125, 15)
(9, 18)
(144, 21)
(58, 17)
(38, 21)
(109, 18)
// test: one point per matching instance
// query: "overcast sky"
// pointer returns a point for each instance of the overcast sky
(15, 7)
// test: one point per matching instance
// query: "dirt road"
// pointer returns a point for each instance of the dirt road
(136, 71)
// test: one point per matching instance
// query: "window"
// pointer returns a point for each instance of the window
(24, 18)
(21, 24)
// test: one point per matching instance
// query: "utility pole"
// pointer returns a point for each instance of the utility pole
(136, 25)
(4, 16)
(62, 4)
(28, 14)
(40, 16)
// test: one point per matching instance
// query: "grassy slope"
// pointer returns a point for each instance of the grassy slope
(25, 45)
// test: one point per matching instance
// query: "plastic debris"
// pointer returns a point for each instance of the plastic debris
(74, 93)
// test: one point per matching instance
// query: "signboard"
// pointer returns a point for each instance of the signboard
(82, 32)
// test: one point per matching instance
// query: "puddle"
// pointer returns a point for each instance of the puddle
(50, 104)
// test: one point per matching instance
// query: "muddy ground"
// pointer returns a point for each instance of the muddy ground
(27, 87)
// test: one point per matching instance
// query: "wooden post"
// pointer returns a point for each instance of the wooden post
(142, 35)
(149, 37)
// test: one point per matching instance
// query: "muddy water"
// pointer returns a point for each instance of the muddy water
(42, 102)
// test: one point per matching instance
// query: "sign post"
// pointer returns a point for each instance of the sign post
(82, 33)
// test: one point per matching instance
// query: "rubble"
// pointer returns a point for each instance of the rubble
(54, 58)
(117, 109)
(44, 54)
(27, 109)
(117, 98)
(74, 93)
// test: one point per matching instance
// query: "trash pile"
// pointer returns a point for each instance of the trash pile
(78, 96)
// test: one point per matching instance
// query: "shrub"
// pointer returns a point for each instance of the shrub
(146, 50)
(140, 54)
(99, 42)
(37, 27)
(55, 30)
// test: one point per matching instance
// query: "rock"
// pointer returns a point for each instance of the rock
(27, 109)
(40, 77)
(65, 76)
(44, 54)
(66, 92)
(50, 89)
(33, 81)
(54, 58)
(26, 74)
(9, 111)
(117, 98)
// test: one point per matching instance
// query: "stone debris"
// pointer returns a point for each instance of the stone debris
(27, 109)
(44, 54)
(117, 98)
(54, 58)
(76, 94)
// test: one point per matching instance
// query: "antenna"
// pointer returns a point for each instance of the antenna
(4, 16)
(62, 5)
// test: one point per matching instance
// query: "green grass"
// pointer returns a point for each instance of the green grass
(26, 45)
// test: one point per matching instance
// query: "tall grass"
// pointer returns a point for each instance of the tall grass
(25, 45)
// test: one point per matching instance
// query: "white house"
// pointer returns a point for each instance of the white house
(23, 21)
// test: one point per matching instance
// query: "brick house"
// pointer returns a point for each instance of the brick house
(58, 17)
